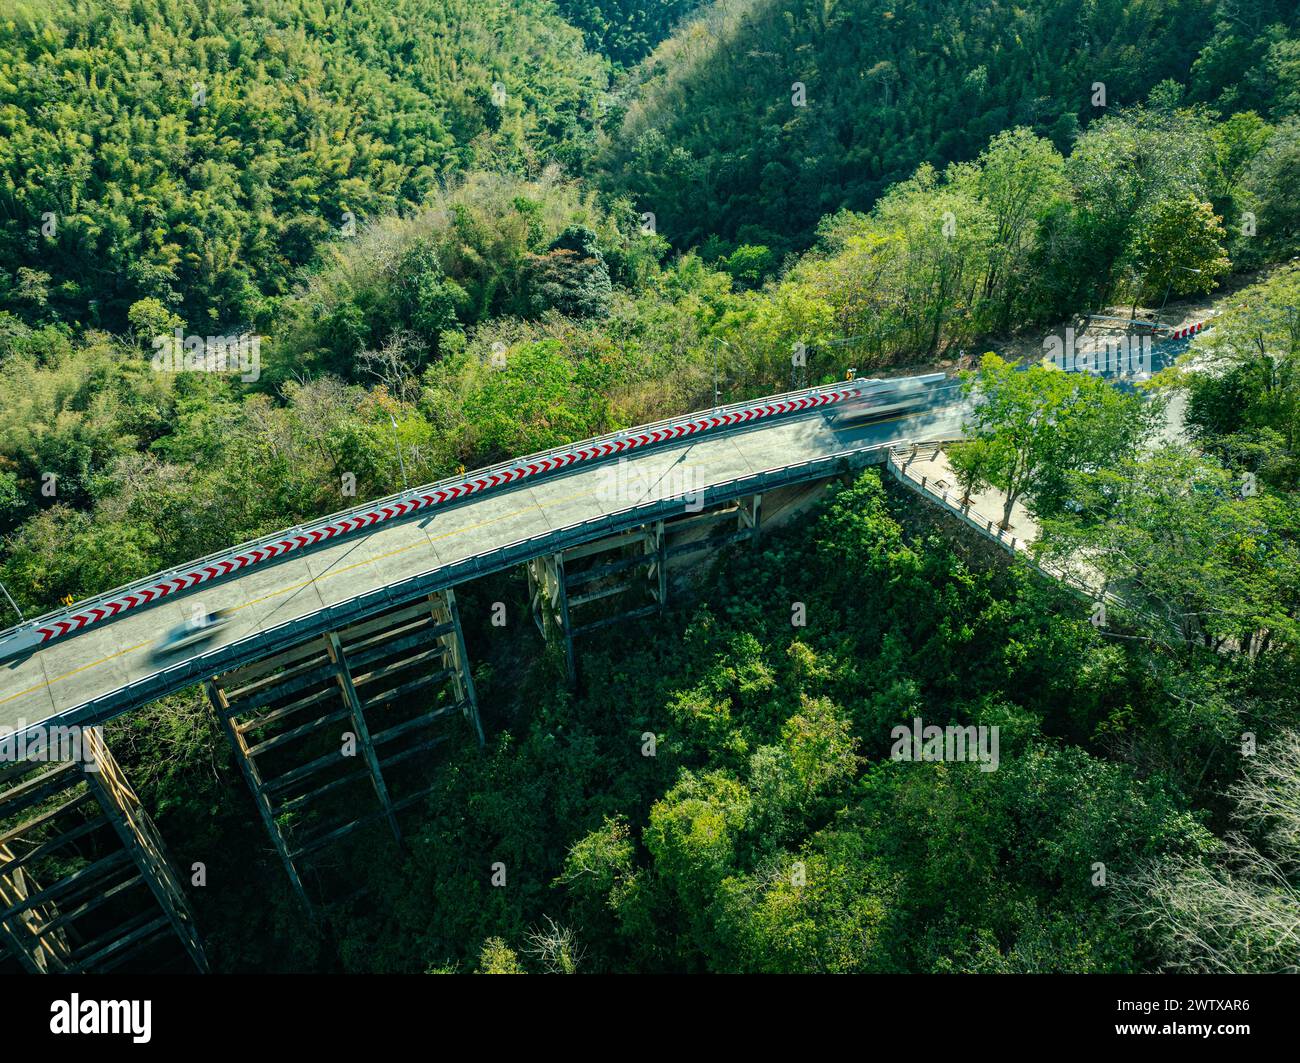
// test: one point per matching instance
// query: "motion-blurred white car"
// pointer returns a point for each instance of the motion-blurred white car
(196, 629)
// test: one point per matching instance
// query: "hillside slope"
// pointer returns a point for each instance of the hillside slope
(198, 153)
(712, 139)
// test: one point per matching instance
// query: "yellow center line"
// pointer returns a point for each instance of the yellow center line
(65, 675)
(325, 575)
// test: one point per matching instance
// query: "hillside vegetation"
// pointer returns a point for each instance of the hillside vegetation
(625, 30)
(716, 137)
(200, 153)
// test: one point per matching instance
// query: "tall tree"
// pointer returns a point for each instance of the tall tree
(1035, 425)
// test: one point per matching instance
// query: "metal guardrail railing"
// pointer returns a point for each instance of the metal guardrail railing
(987, 529)
(1016, 545)
(139, 586)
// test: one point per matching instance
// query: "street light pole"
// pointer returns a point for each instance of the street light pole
(1170, 286)
(9, 597)
(716, 395)
(715, 375)
(398, 443)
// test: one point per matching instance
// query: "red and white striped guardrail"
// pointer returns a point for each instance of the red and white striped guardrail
(96, 610)
(1187, 330)
(1166, 332)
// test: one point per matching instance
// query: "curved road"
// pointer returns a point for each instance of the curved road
(93, 674)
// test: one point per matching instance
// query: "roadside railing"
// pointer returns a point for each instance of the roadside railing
(991, 530)
(951, 499)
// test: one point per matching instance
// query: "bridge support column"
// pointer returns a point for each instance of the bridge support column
(334, 734)
(562, 583)
(549, 595)
(362, 731)
(447, 616)
(252, 776)
(749, 516)
(656, 545)
(120, 901)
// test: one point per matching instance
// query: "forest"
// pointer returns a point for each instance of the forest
(848, 98)
(470, 229)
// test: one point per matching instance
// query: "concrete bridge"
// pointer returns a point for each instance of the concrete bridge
(338, 656)
(101, 657)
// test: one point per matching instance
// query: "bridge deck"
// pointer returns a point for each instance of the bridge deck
(111, 667)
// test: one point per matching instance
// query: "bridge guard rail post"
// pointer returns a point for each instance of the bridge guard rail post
(114, 896)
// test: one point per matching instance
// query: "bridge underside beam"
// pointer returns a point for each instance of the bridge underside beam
(112, 898)
(562, 583)
(332, 735)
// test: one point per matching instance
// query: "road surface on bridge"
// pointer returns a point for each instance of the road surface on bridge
(76, 678)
